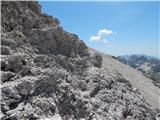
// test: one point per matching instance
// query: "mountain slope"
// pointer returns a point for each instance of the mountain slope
(149, 66)
(48, 73)
(137, 80)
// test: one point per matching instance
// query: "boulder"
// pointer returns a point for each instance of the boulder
(5, 50)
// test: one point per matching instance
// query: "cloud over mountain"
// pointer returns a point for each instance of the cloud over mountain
(101, 36)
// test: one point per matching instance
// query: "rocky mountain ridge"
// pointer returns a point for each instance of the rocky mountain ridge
(48, 73)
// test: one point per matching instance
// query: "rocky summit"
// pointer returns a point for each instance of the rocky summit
(50, 74)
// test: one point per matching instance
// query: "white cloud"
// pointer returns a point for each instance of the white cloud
(101, 36)
(95, 38)
(104, 32)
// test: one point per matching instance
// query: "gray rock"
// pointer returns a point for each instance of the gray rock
(97, 60)
(25, 71)
(157, 116)
(15, 63)
(83, 85)
(8, 42)
(8, 76)
(46, 105)
(25, 87)
(5, 50)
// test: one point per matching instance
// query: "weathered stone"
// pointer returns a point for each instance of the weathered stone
(97, 60)
(46, 105)
(8, 42)
(7, 76)
(15, 63)
(25, 71)
(5, 50)
(83, 85)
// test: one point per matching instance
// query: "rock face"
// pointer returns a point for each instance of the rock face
(47, 72)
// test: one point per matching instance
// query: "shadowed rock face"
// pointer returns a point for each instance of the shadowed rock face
(42, 31)
(49, 73)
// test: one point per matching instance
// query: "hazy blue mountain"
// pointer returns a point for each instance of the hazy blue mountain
(148, 65)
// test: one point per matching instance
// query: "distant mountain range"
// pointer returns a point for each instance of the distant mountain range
(148, 65)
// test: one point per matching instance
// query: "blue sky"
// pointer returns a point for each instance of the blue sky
(116, 28)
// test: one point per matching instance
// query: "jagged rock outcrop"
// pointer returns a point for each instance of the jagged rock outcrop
(47, 72)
